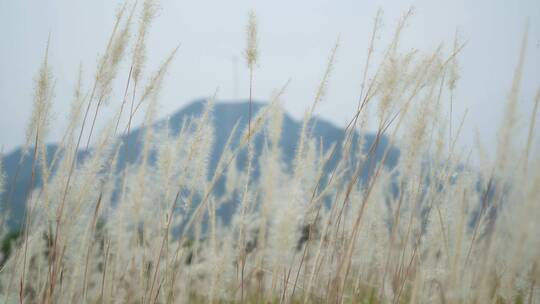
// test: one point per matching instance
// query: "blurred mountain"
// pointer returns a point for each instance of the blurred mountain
(225, 116)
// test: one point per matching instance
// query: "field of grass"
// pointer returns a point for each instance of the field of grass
(432, 229)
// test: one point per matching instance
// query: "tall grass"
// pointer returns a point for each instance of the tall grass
(429, 230)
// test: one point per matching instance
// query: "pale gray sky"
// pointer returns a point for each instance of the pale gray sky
(295, 40)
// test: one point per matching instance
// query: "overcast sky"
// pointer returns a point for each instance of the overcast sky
(295, 40)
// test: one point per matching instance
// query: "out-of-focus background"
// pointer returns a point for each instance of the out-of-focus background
(295, 40)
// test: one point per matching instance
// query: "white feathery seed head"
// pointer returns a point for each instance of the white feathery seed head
(76, 107)
(454, 72)
(251, 52)
(139, 52)
(153, 87)
(41, 109)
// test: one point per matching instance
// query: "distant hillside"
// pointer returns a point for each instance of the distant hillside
(225, 116)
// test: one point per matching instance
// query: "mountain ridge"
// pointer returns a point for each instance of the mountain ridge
(224, 116)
